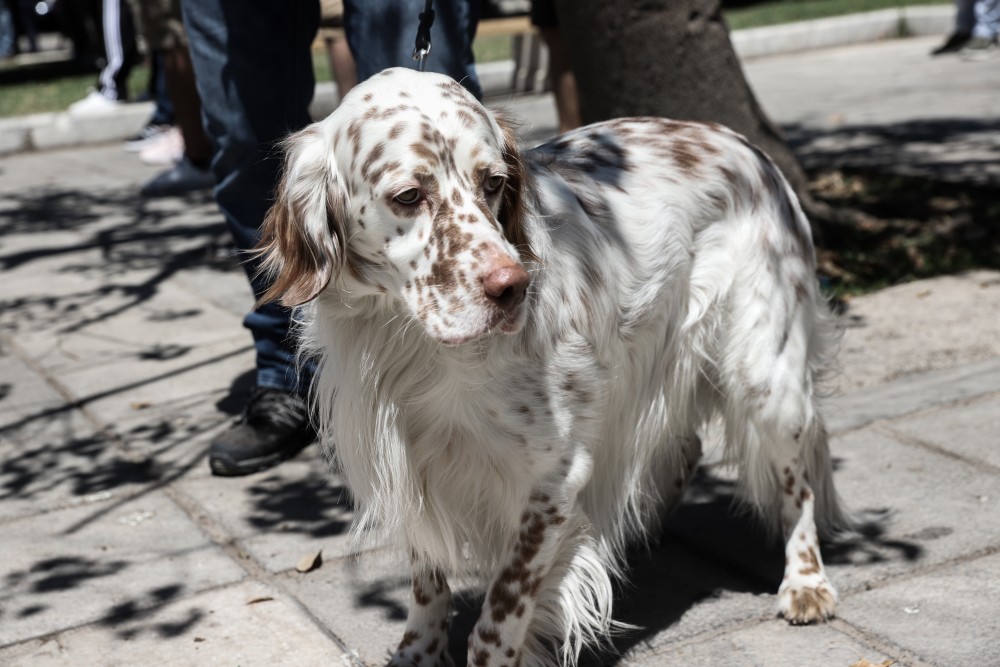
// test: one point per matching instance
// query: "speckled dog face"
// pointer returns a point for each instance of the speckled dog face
(424, 189)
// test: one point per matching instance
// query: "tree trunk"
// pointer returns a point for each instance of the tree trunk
(670, 58)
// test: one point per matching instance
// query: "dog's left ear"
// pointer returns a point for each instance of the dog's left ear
(302, 241)
(511, 213)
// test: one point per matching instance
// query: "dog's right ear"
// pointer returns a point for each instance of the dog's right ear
(302, 240)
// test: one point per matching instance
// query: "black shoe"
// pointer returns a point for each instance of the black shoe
(274, 426)
(180, 179)
(953, 44)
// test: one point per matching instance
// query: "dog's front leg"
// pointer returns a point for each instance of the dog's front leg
(425, 642)
(548, 519)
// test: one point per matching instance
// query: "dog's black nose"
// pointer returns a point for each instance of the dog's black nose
(506, 283)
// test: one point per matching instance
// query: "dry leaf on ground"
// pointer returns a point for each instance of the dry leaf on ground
(310, 562)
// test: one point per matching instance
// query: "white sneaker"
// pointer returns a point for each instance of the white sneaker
(93, 103)
(167, 148)
(146, 136)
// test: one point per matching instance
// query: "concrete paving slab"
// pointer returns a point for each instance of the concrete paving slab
(907, 395)
(87, 564)
(931, 324)
(887, 483)
(947, 617)
(280, 515)
(247, 624)
(873, 106)
(51, 456)
(673, 594)
(55, 460)
(363, 601)
(774, 644)
(172, 438)
(971, 431)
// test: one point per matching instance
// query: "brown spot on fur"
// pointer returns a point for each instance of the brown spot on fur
(489, 636)
(373, 156)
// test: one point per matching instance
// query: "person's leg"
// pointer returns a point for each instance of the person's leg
(253, 69)
(965, 20)
(120, 48)
(163, 114)
(192, 172)
(345, 72)
(382, 33)
(987, 19)
(984, 35)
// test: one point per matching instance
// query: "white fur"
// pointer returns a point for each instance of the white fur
(672, 279)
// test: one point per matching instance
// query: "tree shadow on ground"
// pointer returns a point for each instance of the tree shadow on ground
(951, 150)
(315, 504)
(125, 247)
(910, 228)
(25, 597)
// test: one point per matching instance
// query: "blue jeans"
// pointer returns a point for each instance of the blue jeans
(253, 68)
(381, 34)
(987, 19)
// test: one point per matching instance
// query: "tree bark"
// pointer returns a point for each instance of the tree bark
(670, 58)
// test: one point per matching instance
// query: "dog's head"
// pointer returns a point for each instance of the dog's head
(410, 190)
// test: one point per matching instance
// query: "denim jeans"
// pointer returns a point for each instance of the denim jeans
(987, 19)
(381, 34)
(253, 68)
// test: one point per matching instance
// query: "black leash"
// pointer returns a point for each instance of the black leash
(422, 46)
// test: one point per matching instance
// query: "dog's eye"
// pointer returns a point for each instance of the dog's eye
(408, 197)
(493, 183)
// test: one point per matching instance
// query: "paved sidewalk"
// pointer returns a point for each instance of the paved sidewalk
(121, 354)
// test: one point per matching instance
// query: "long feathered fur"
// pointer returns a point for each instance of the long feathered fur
(671, 280)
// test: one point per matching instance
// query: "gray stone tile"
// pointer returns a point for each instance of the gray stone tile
(54, 459)
(768, 644)
(96, 562)
(947, 617)
(363, 601)
(971, 431)
(279, 515)
(248, 624)
(51, 456)
(888, 484)
(911, 394)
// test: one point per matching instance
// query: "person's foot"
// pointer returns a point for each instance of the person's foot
(167, 148)
(953, 44)
(273, 427)
(180, 179)
(144, 137)
(979, 48)
(94, 103)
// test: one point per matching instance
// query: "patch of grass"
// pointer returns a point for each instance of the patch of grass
(910, 228)
(55, 94)
(492, 48)
(787, 11)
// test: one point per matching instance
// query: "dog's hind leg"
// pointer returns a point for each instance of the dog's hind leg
(777, 436)
(425, 641)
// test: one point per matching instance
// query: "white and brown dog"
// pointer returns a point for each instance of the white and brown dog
(517, 349)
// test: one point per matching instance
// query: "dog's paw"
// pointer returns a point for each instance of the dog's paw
(801, 603)
(432, 655)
